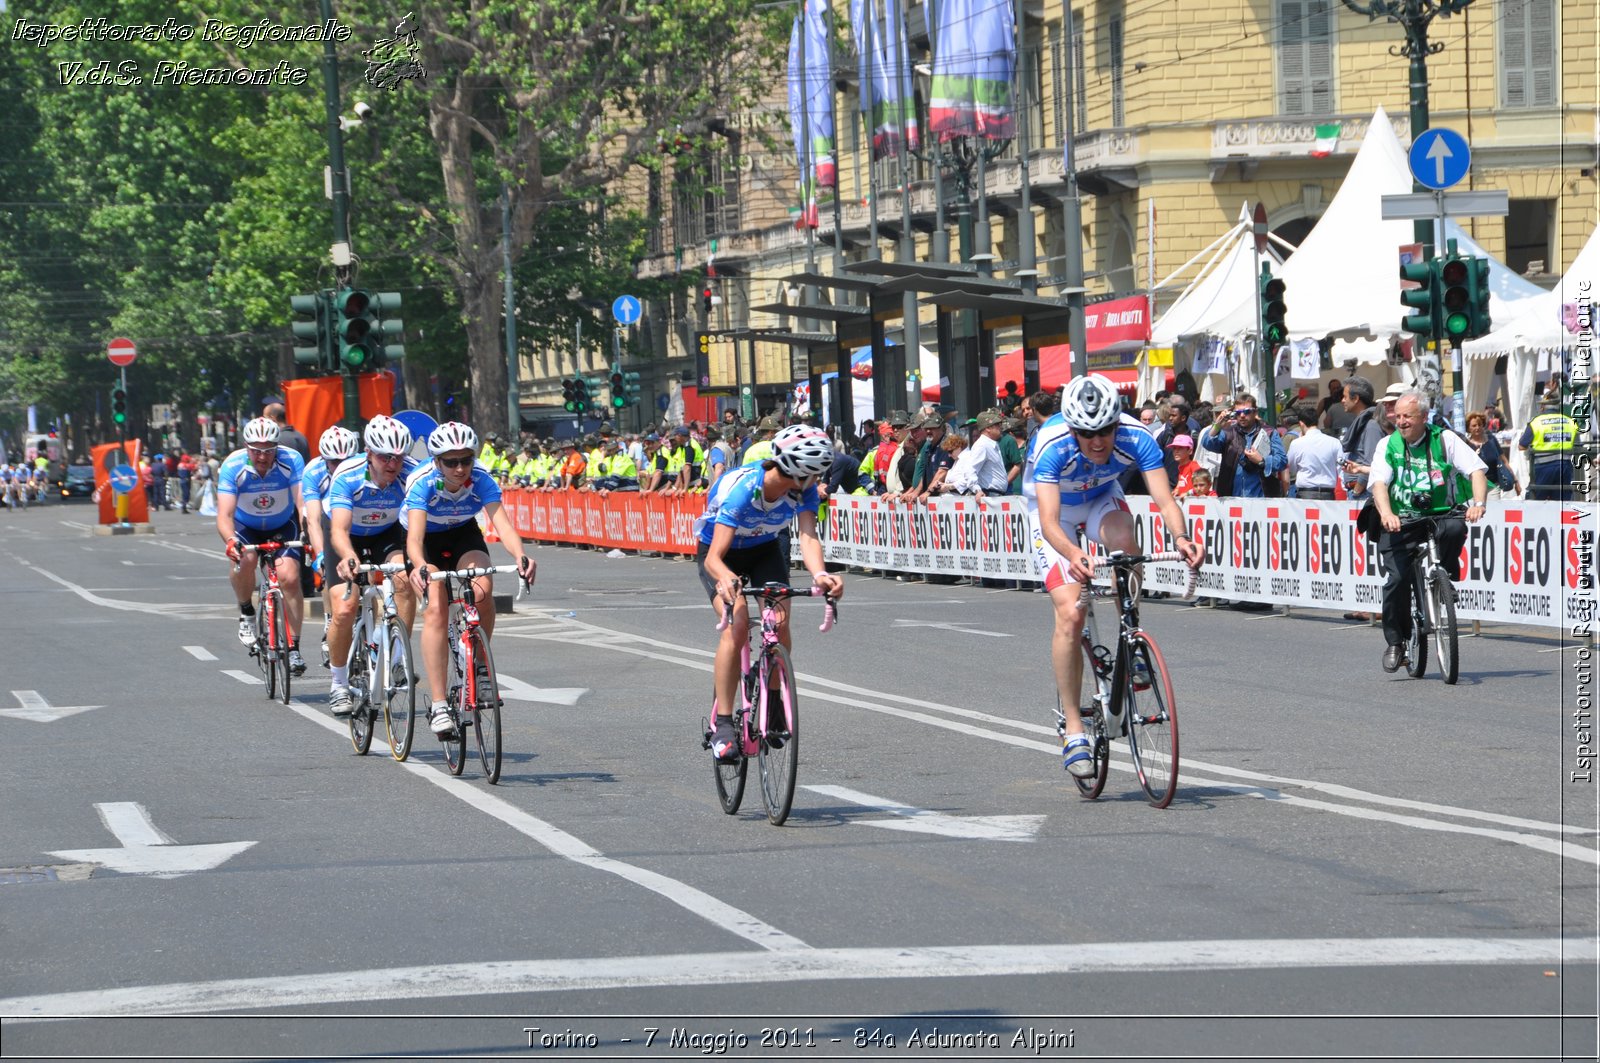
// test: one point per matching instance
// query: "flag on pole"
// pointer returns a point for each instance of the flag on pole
(973, 66)
(811, 107)
(884, 68)
(1327, 140)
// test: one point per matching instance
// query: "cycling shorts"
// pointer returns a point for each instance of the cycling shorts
(1051, 565)
(370, 549)
(445, 549)
(287, 532)
(766, 563)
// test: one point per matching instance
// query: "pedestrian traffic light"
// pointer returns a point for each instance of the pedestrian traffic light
(1273, 308)
(1455, 297)
(354, 327)
(119, 405)
(1423, 298)
(317, 350)
(619, 395)
(630, 387)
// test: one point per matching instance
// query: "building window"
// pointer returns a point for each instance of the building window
(1080, 77)
(1528, 228)
(1114, 63)
(1030, 79)
(706, 192)
(1527, 53)
(1305, 57)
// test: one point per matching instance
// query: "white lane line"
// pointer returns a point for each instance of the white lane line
(200, 653)
(75, 524)
(685, 655)
(174, 610)
(570, 847)
(244, 677)
(167, 544)
(524, 977)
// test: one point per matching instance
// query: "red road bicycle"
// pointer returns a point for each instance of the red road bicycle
(473, 692)
(768, 720)
(271, 649)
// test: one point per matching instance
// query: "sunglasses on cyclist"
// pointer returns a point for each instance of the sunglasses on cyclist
(387, 457)
(455, 463)
(261, 450)
(1098, 433)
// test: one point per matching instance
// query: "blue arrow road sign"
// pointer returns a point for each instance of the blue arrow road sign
(625, 308)
(124, 479)
(1440, 158)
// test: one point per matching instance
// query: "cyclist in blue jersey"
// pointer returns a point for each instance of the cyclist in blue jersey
(336, 444)
(365, 495)
(1070, 478)
(739, 536)
(441, 518)
(258, 500)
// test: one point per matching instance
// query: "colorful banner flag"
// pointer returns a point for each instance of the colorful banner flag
(973, 69)
(884, 67)
(811, 106)
(1327, 140)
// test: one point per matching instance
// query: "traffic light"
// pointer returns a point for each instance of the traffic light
(630, 387)
(1423, 298)
(119, 405)
(580, 395)
(1478, 297)
(354, 325)
(705, 300)
(619, 394)
(1273, 308)
(388, 332)
(320, 353)
(1455, 297)
(569, 395)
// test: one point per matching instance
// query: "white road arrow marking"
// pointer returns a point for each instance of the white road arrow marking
(986, 828)
(146, 850)
(952, 627)
(36, 708)
(1439, 151)
(514, 689)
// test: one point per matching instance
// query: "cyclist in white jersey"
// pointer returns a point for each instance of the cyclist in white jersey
(441, 517)
(336, 445)
(258, 500)
(1070, 478)
(740, 534)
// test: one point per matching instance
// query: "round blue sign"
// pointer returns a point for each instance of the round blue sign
(124, 479)
(1440, 158)
(625, 308)
(418, 424)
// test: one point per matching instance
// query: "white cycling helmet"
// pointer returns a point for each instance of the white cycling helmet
(260, 430)
(800, 451)
(385, 435)
(452, 435)
(1090, 403)
(337, 444)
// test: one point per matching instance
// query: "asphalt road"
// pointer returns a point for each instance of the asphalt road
(1357, 865)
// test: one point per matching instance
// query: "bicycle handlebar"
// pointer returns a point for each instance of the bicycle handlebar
(1121, 560)
(269, 547)
(779, 592)
(388, 569)
(1433, 518)
(440, 574)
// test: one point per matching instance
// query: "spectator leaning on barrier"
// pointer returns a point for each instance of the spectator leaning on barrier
(1313, 458)
(1181, 452)
(988, 460)
(931, 458)
(1361, 437)
(1252, 455)
(1549, 439)
(901, 474)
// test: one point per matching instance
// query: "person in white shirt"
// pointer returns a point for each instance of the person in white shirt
(1313, 458)
(988, 464)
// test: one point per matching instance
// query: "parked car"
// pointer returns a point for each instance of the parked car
(78, 482)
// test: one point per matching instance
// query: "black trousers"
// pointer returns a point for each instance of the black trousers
(1396, 549)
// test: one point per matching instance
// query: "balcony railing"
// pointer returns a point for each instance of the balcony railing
(1261, 138)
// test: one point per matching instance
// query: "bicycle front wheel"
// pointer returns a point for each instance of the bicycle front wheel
(486, 705)
(399, 689)
(1445, 639)
(261, 651)
(778, 743)
(1152, 717)
(1417, 641)
(362, 715)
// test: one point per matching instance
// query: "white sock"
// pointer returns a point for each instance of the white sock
(341, 674)
(438, 707)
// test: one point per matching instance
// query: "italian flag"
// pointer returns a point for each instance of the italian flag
(1327, 140)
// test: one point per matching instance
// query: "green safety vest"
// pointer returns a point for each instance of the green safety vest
(758, 452)
(1553, 433)
(1423, 483)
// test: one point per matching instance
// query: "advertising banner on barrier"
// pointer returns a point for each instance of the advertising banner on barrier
(622, 520)
(1524, 563)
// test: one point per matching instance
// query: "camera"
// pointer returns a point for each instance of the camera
(363, 110)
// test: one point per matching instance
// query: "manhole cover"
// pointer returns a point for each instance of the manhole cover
(9, 876)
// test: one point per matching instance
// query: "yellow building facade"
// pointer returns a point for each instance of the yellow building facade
(1180, 113)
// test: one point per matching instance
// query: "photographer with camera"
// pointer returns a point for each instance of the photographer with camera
(1421, 470)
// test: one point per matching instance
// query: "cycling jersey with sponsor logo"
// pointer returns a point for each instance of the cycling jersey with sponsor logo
(1055, 458)
(425, 491)
(737, 502)
(372, 509)
(265, 502)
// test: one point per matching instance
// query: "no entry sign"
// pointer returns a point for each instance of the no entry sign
(121, 351)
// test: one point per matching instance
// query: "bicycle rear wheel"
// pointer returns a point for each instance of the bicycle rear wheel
(1090, 786)
(1152, 718)
(1445, 639)
(486, 714)
(399, 689)
(729, 774)
(362, 715)
(778, 743)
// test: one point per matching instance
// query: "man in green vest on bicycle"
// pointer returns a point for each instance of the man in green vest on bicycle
(1420, 470)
